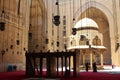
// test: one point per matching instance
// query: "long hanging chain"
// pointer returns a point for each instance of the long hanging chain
(64, 25)
(115, 19)
(18, 34)
(2, 29)
(46, 30)
(115, 24)
(53, 41)
(37, 45)
(57, 3)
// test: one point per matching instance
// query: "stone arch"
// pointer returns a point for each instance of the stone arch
(102, 7)
(37, 25)
(109, 23)
(83, 40)
(96, 41)
(73, 42)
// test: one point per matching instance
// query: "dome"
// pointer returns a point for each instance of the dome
(86, 22)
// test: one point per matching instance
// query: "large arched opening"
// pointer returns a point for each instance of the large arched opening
(102, 16)
(37, 26)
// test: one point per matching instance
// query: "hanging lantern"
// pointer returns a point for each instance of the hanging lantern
(52, 43)
(2, 26)
(24, 49)
(56, 20)
(118, 44)
(11, 46)
(74, 31)
(57, 3)
(3, 52)
(17, 52)
(18, 42)
(73, 19)
(47, 40)
(57, 44)
(30, 36)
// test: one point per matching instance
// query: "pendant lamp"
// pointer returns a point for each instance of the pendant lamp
(74, 31)
(57, 20)
(47, 40)
(2, 26)
(18, 42)
(57, 44)
(3, 52)
(11, 46)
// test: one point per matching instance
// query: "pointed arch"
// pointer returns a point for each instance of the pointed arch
(107, 22)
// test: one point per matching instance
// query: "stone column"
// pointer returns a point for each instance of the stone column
(101, 58)
(91, 59)
(71, 62)
(76, 64)
(94, 57)
(83, 59)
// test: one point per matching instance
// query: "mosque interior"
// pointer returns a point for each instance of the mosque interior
(89, 27)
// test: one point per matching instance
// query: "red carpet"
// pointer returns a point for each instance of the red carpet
(95, 76)
(20, 75)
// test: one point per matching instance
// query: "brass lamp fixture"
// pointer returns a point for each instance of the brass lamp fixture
(57, 17)
(2, 26)
(74, 31)
(57, 20)
(2, 23)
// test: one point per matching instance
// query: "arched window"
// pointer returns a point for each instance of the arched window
(73, 43)
(96, 41)
(83, 40)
